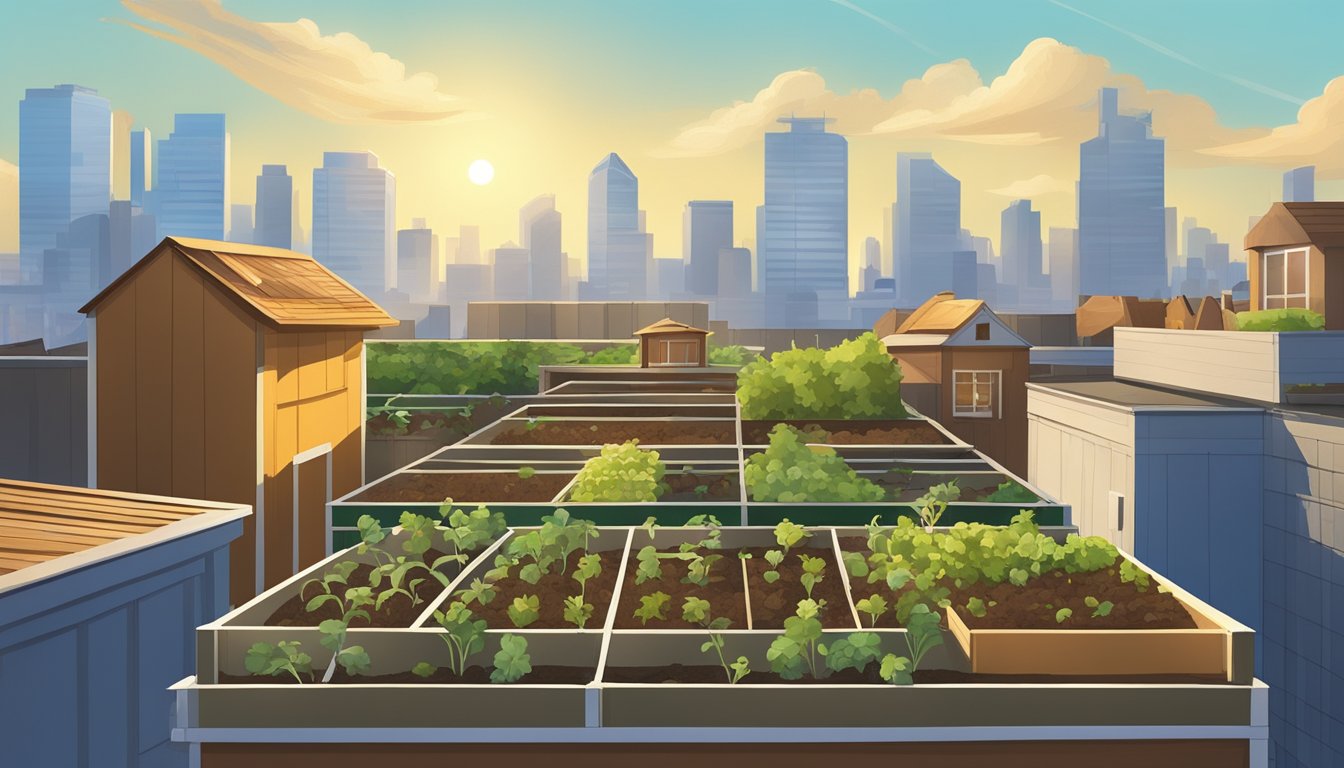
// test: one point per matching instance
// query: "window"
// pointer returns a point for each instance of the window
(1284, 279)
(982, 331)
(678, 352)
(975, 394)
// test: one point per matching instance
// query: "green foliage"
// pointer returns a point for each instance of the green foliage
(576, 611)
(814, 569)
(855, 564)
(465, 635)
(976, 607)
(1011, 492)
(791, 471)
(474, 367)
(934, 502)
(424, 669)
(788, 535)
(774, 557)
(512, 661)
(897, 670)
(922, 633)
(698, 567)
(856, 651)
(283, 657)
(695, 610)
(873, 605)
(730, 354)
(652, 606)
(649, 565)
(855, 380)
(1133, 574)
(1099, 608)
(524, 610)
(622, 354)
(795, 652)
(478, 592)
(525, 473)
(548, 547)
(621, 473)
(1062, 615)
(1294, 319)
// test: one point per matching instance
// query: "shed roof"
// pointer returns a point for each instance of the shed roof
(279, 286)
(41, 522)
(943, 313)
(1320, 224)
(668, 325)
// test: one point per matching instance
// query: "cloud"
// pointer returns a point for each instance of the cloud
(1317, 138)
(1037, 186)
(335, 77)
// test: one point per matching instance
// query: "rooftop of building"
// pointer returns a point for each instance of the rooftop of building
(1136, 395)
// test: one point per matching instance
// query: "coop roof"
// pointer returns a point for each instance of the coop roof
(279, 286)
(668, 325)
(49, 528)
(1320, 224)
(943, 313)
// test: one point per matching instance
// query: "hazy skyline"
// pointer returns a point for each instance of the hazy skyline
(1002, 104)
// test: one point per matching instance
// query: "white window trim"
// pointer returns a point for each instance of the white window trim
(996, 408)
(1265, 295)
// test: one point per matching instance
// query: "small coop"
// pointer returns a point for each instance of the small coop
(668, 343)
(233, 373)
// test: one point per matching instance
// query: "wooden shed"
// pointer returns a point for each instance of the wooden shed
(966, 369)
(1296, 259)
(233, 373)
(670, 343)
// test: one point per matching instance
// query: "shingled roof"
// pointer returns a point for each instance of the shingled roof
(668, 325)
(1319, 224)
(942, 313)
(281, 287)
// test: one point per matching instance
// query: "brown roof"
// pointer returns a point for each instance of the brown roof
(1319, 224)
(1101, 313)
(279, 286)
(668, 325)
(40, 522)
(942, 313)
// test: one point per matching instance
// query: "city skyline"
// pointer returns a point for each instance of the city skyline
(667, 146)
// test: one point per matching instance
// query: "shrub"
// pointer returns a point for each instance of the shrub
(475, 367)
(622, 472)
(856, 379)
(791, 471)
(1294, 319)
(1011, 492)
(619, 354)
(732, 354)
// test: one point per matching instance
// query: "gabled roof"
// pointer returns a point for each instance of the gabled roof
(280, 287)
(1101, 313)
(668, 325)
(942, 313)
(945, 320)
(613, 162)
(1320, 224)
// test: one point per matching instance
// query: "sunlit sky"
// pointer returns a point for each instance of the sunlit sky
(544, 89)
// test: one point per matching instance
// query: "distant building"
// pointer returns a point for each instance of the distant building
(1121, 206)
(1296, 259)
(417, 259)
(191, 198)
(131, 233)
(71, 273)
(872, 263)
(1299, 185)
(65, 166)
(707, 228)
(618, 248)
(141, 165)
(1020, 240)
(670, 276)
(354, 206)
(1064, 265)
(275, 193)
(929, 254)
(1171, 243)
(803, 227)
(539, 230)
(513, 272)
(240, 223)
(734, 277)
(468, 245)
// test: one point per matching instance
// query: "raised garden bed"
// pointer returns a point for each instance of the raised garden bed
(856, 432)
(467, 487)
(549, 431)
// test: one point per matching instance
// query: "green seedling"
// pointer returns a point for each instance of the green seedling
(424, 669)
(976, 607)
(283, 657)
(856, 651)
(897, 670)
(465, 635)
(512, 661)
(338, 575)
(935, 501)
(652, 607)
(1099, 608)
(524, 610)
(697, 611)
(922, 633)
(1132, 574)
(774, 557)
(698, 568)
(525, 473)
(1062, 615)
(478, 592)
(814, 569)
(875, 605)
(788, 535)
(856, 564)
(577, 610)
(795, 652)
(701, 491)
(354, 660)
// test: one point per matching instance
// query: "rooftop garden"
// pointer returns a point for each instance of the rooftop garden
(1280, 320)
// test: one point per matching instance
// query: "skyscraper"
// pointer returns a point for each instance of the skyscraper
(803, 239)
(1020, 239)
(65, 166)
(539, 233)
(354, 206)
(1121, 206)
(513, 273)
(929, 253)
(240, 223)
(417, 262)
(275, 209)
(707, 228)
(1064, 266)
(142, 165)
(192, 194)
(1299, 185)
(618, 249)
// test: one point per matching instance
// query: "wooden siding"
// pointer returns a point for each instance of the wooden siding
(1003, 437)
(44, 409)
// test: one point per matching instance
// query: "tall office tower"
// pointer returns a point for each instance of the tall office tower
(734, 273)
(240, 223)
(275, 207)
(1171, 247)
(803, 240)
(131, 234)
(354, 206)
(539, 234)
(1196, 239)
(191, 197)
(706, 229)
(669, 276)
(1216, 261)
(618, 247)
(513, 272)
(70, 276)
(65, 166)
(1299, 185)
(142, 165)
(468, 245)
(1064, 266)
(417, 262)
(1020, 239)
(1121, 206)
(930, 255)
(872, 263)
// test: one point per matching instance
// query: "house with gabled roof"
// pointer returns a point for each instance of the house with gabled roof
(1295, 258)
(672, 343)
(966, 369)
(233, 373)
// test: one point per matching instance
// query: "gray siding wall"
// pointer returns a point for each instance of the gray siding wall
(44, 424)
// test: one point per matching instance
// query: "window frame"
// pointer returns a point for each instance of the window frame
(666, 346)
(1282, 294)
(994, 410)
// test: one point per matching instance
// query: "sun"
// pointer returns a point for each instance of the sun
(481, 172)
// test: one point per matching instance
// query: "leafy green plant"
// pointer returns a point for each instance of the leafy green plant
(897, 670)
(526, 473)
(795, 652)
(789, 535)
(465, 635)
(731, 354)
(1011, 492)
(424, 669)
(774, 557)
(789, 470)
(338, 575)
(464, 368)
(1132, 574)
(935, 501)
(524, 610)
(874, 605)
(652, 607)
(1290, 319)
(696, 610)
(283, 657)
(1063, 614)
(353, 659)
(814, 570)
(622, 472)
(922, 633)
(1099, 608)
(512, 661)
(478, 592)
(976, 607)
(856, 651)
(577, 609)
(856, 379)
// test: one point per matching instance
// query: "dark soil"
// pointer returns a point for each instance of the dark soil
(396, 612)
(552, 590)
(1034, 605)
(677, 673)
(555, 675)
(604, 432)
(681, 487)
(836, 432)
(466, 487)
(771, 604)
(908, 486)
(724, 593)
(451, 426)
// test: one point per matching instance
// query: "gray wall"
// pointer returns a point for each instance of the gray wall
(44, 425)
